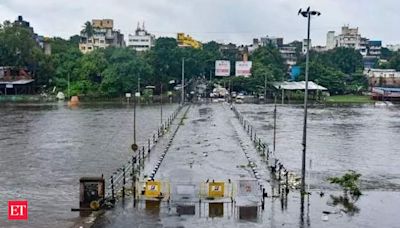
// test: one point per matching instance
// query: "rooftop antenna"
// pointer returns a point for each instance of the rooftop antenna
(143, 25)
(138, 25)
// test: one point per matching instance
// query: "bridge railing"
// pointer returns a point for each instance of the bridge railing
(124, 178)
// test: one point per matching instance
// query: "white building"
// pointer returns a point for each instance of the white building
(141, 40)
(330, 40)
(393, 47)
(288, 53)
(349, 38)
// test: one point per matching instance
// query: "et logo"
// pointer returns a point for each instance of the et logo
(18, 210)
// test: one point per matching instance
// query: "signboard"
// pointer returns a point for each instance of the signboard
(153, 189)
(247, 187)
(222, 68)
(216, 189)
(243, 68)
(128, 95)
(137, 94)
(9, 86)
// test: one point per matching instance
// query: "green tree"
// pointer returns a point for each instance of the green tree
(88, 29)
(125, 67)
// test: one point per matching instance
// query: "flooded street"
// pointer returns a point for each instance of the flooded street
(45, 149)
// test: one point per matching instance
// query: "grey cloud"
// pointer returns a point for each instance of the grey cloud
(235, 21)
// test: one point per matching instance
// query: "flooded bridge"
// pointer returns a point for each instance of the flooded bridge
(205, 165)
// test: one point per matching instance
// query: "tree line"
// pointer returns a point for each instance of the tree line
(112, 72)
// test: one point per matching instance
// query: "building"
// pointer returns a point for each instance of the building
(382, 77)
(100, 35)
(393, 47)
(42, 41)
(15, 80)
(274, 41)
(188, 41)
(330, 40)
(289, 54)
(374, 48)
(349, 38)
(141, 40)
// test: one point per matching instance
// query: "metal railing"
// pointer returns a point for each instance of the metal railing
(118, 185)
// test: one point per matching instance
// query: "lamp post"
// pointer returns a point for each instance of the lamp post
(306, 13)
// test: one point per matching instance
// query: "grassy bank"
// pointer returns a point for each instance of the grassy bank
(351, 99)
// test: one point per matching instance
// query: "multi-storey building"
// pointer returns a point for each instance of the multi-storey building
(274, 41)
(289, 54)
(287, 51)
(42, 41)
(349, 38)
(141, 40)
(374, 48)
(100, 35)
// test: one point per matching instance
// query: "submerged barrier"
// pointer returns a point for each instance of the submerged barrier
(118, 186)
(278, 172)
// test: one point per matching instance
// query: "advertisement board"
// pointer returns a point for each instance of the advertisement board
(243, 68)
(222, 68)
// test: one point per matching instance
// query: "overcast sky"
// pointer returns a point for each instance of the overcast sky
(236, 21)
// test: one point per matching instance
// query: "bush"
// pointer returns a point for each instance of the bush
(349, 182)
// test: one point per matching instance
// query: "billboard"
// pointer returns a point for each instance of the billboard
(243, 68)
(222, 68)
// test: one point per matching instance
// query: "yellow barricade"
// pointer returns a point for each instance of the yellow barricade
(153, 189)
(216, 189)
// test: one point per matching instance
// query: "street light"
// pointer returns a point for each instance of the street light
(306, 13)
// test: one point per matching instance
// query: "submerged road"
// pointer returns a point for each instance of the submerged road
(210, 144)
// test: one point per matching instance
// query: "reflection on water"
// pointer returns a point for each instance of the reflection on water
(46, 148)
(347, 204)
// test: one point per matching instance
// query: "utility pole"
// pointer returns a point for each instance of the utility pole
(161, 96)
(138, 88)
(138, 84)
(68, 85)
(307, 13)
(134, 120)
(274, 124)
(183, 82)
(265, 89)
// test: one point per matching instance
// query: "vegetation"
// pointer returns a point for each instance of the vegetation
(339, 70)
(112, 72)
(349, 99)
(348, 182)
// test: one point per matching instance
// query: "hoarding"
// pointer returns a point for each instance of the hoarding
(222, 68)
(243, 68)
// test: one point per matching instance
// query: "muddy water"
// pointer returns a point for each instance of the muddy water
(46, 148)
(362, 138)
(377, 207)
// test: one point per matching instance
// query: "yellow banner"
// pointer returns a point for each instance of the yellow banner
(216, 189)
(153, 189)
